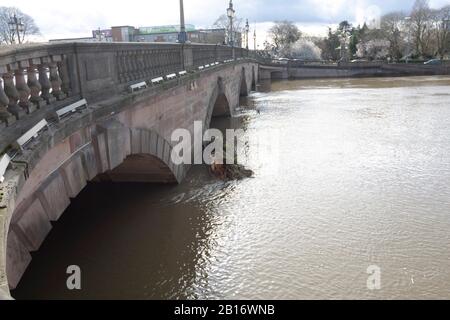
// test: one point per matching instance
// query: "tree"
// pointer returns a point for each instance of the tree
(442, 29)
(377, 49)
(356, 36)
(344, 27)
(29, 26)
(223, 22)
(283, 34)
(304, 49)
(330, 46)
(391, 26)
(421, 17)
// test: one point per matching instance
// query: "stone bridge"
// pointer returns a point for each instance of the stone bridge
(110, 132)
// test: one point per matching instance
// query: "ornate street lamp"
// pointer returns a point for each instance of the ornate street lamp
(16, 27)
(230, 14)
(182, 36)
(254, 38)
(247, 30)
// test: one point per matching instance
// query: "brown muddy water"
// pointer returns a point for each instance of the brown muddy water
(350, 174)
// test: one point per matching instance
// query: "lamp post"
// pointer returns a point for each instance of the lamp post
(182, 36)
(247, 30)
(254, 38)
(16, 27)
(230, 14)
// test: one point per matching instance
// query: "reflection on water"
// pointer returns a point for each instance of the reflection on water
(362, 178)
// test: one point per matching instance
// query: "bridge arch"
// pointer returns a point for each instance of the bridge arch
(219, 105)
(244, 91)
(253, 79)
(116, 154)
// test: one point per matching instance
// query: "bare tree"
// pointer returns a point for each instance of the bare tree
(391, 26)
(421, 24)
(304, 49)
(441, 20)
(223, 22)
(283, 34)
(7, 35)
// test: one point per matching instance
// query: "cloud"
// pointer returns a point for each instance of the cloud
(77, 18)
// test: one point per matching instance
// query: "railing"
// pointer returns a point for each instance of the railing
(44, 76)
(31, 78)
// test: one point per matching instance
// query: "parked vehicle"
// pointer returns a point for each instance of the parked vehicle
(282, 61)
(433, 62)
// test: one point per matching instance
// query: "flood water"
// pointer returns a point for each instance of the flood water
(359, 177)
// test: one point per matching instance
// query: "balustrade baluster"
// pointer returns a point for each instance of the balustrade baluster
(23, 89)
(65, 78)
(5, 116)
(158, 61)
(135, 59)
(129, 66)
(131, 71)
(56, 82)
(149, 63)
(45, 83)
(13, 95)
(122, 68)
(164, 58)
(34, 85)
(141, 64)
(144, 64)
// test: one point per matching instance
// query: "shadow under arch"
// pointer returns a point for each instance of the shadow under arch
(253, 79)
(31, 220)
(149, 162)
(243, 87)
(219, 105)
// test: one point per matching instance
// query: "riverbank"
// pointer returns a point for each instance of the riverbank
(349, 70)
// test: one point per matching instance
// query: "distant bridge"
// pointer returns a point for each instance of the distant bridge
(75, 112)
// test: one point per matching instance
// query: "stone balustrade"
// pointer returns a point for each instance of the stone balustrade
(32, 78)
(41, 77)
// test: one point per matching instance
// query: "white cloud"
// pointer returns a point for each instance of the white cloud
(62, 19)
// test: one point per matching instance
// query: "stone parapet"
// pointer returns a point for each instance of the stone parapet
(34, 77)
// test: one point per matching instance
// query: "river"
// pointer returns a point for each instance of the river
(351, 174)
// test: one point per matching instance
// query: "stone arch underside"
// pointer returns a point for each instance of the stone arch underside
(219, 105)
(244, 86)
(108, 156)
(253, 79)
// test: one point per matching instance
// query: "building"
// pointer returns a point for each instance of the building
(220, 36)
(123, 34)
(162, 34)
(169, 34)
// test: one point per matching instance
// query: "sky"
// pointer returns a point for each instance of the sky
(66, 19)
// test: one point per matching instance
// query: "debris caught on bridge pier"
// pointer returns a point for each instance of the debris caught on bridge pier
(228, 172)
